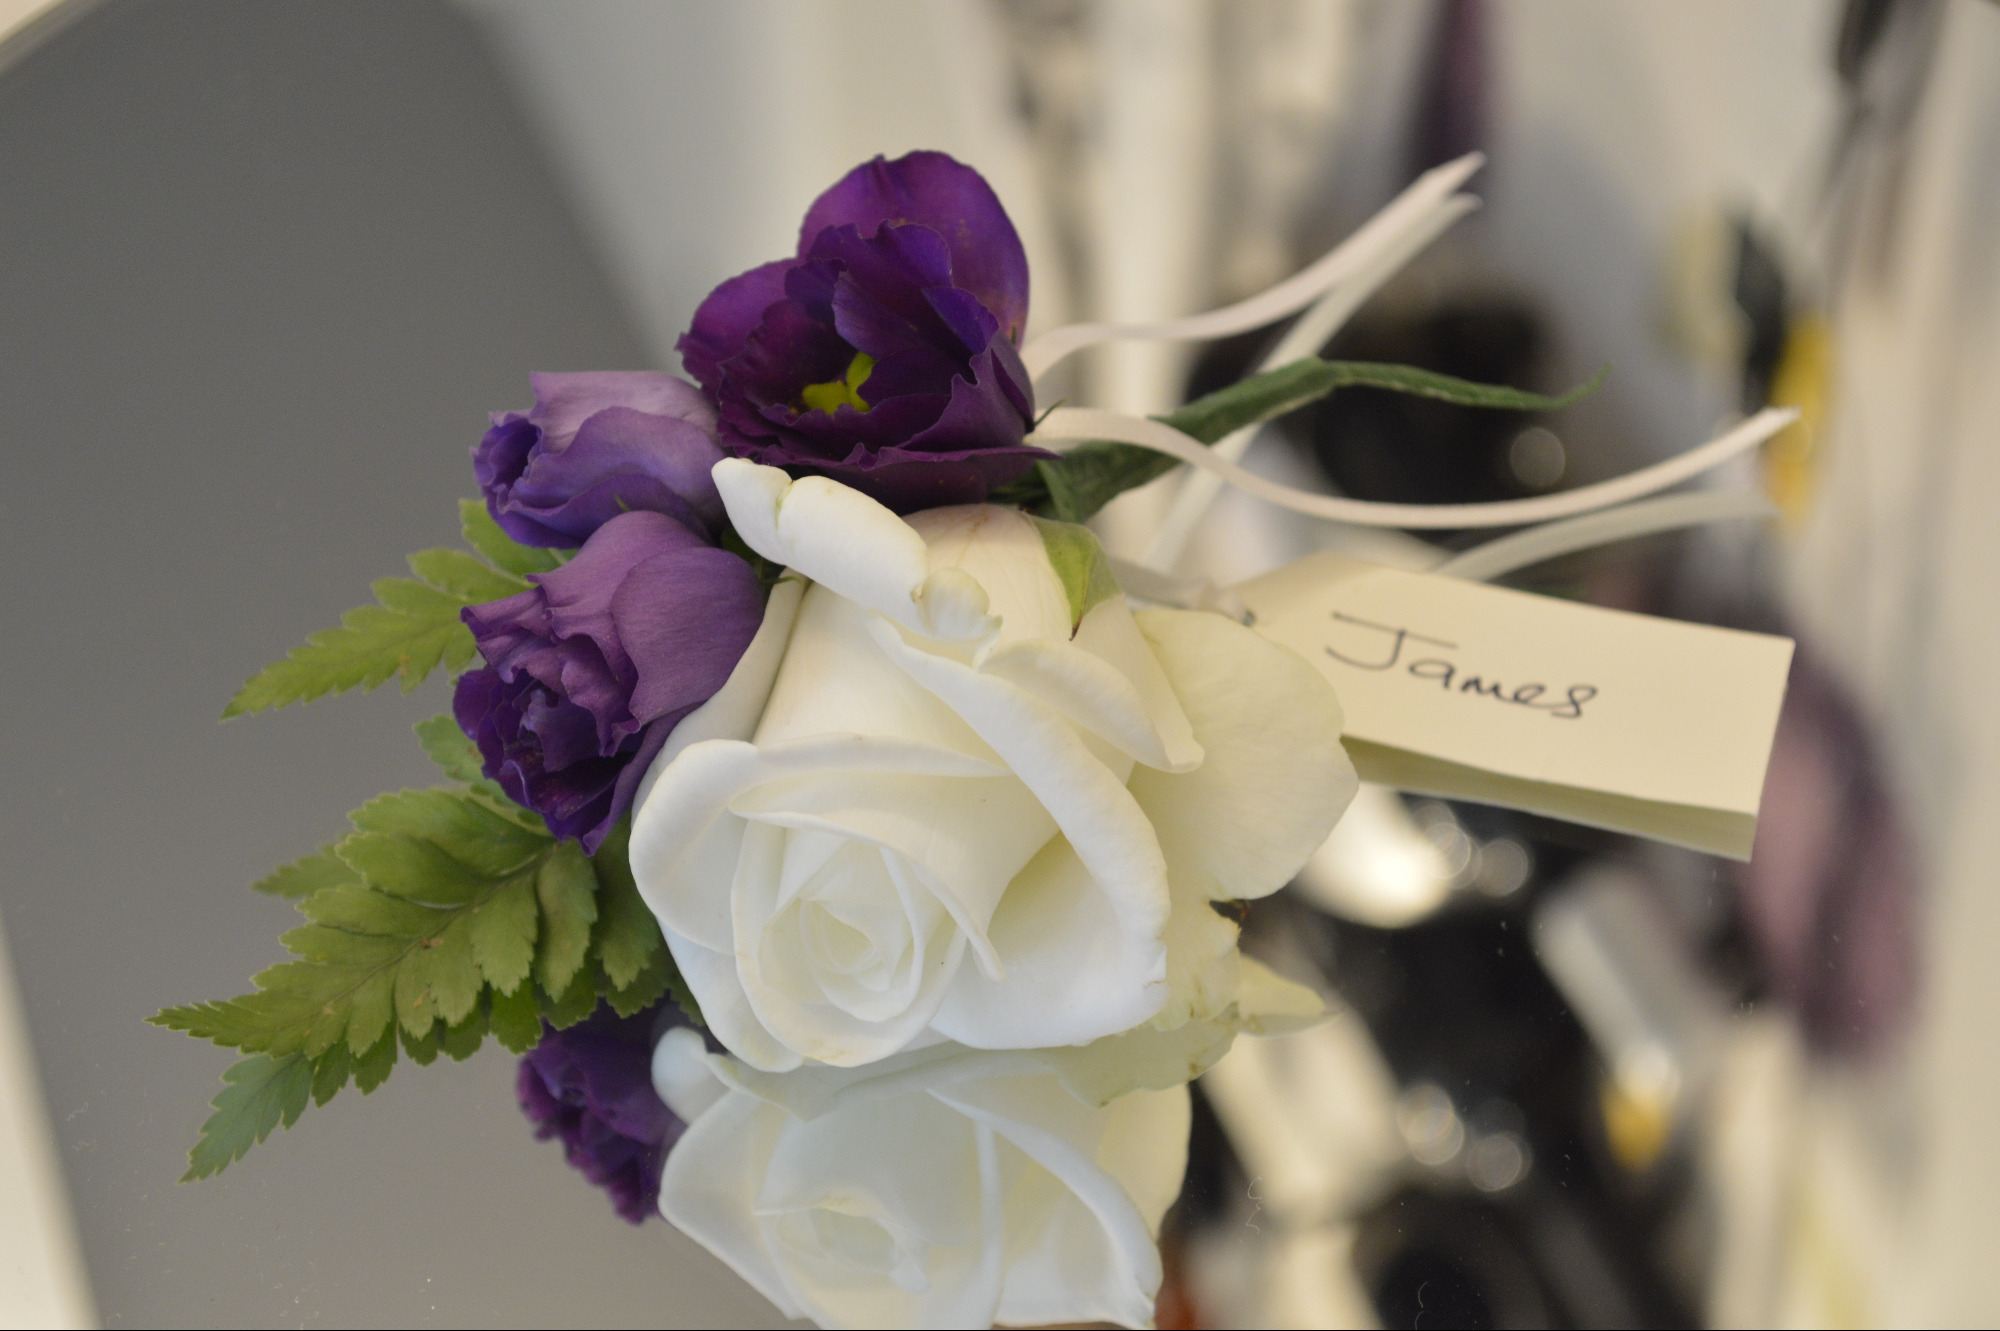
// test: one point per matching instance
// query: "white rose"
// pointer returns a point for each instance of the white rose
(947, 1187)
(957, 790)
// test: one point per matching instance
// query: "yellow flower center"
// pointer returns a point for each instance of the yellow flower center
(834, 394)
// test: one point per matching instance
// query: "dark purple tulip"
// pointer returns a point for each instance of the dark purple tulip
(883, 355)
(592, 1086)
(597, 445)
(588, 671)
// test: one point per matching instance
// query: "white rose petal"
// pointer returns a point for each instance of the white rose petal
(1273, 778)
(945, 1186)
(844, 540)
(954, 792)
(942, 1188)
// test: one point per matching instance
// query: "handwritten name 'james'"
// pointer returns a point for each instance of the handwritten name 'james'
(1366, 645)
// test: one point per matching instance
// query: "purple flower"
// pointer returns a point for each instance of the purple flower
(588, 671)
(592, 1086)
(884, 354)
(597, 445)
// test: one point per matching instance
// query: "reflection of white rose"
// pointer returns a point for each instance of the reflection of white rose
(957, 790)
(946, 1187)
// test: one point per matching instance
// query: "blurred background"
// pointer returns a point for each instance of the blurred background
(266, 267)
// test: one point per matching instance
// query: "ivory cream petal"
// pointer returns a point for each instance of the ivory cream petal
(1091, 805)
(686, 842)
(845, 541)
(1088, 1253)
(1074, 970)
(1274, 778)
(711, 976)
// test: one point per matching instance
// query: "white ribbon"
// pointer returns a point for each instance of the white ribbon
(1313, 330)
(1065, 427)
(1356, 255)
(1496, 559)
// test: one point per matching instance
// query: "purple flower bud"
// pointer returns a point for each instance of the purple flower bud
(597, 445)
(883, 355)
(588, 671)
(592, 1086)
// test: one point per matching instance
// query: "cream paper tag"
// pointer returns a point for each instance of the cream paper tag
(1470, 692)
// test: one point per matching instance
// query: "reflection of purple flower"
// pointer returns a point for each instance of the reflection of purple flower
(592, 1086)
(884, 354)
(1831, 897)
(597, 445)
(588, 671)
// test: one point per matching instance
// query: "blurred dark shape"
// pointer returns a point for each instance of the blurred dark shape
(1831, 895)
(1402, 449)
(1453, 95)
(1758, 289)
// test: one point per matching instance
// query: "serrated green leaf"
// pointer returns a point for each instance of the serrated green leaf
(457, 757)
(438, 980)
(409, 597)
(372, 1068)
(361, 909)
(628, 937)
(653, 982)
(461, 1040)
(293, 1011)
(576, 1002)
(464, 577)
(465, 829)
(566, 887)
(259, 1094)
(330, 1073)
(342, 947)
(1075, 486)
(412, 631)
(515, 1018)
(411, 869)
(371, 1012)
(503, 929)
(451, 922)
(447, 746)
(499, 549)
(320, 870)
(422, 1049)
(631, 956)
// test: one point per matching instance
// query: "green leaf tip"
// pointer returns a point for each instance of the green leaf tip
(411, 630)
(259, 1094)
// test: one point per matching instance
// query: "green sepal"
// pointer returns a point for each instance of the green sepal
(1080, 564)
